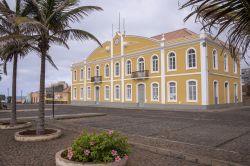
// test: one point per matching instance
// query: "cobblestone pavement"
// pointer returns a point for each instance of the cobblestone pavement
(14, 153)
(227, 130)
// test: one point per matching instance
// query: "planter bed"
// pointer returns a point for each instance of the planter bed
(19, 125)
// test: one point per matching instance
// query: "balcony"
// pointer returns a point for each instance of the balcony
(96, 79)
(140, 75)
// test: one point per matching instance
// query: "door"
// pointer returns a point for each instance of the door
(216, 101)
(97, 95)
(141, 95)
(235, 93)
(227, 93)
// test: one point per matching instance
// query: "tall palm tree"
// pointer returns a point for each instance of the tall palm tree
(13, 25)
(57, 16)
(224, 15)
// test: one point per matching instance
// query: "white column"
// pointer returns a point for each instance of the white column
(112, 71)
(163, 85)
(204, 68)
(122, 68)
(85, 81)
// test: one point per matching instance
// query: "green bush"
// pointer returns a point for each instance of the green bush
(98, 148)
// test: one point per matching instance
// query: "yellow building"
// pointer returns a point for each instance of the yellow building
(177, 69)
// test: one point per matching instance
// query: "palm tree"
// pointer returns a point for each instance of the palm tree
(13, 25)
(224, 15)
(56, 16)
(1, 72)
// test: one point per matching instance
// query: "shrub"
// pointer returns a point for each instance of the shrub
(98, 148)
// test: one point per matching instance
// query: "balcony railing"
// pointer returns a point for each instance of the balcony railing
(96, 79)
(140, 74)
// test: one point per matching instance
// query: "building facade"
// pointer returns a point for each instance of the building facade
(245, 75)
(178, 69)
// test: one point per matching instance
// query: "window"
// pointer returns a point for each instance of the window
(75, 93)
(225, 63)
(129, 92)
(155, 92)
(81, 93)
(235, 66)
(81, 74)
(191, 59)
(141, 65)
(117, 92)
(89, 73)
(107, 92)
(75, 75)
(89, 92)
(155, 64)
(107, 70)
(97, 71)
(215, 60)
(192, 91)
(117, 69)
(128, 67)
(171, 61)
(172, 90)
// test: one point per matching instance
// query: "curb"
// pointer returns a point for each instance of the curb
(187, 157)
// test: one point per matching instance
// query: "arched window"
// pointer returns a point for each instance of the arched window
(129, 92)
(171, 61)
(155, 92)
(192, 91)
(89, 73)
(141, 64)
(117, 92)
(191, 59)
(235, 66)
(107, 92)
(97, 71)
(117, 69)
(215, 60)
(225, 63)
(128, 67)
(81, 74)
(107, 70)
(172, 92)
(155, 63)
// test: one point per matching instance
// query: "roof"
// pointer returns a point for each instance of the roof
(181, 33)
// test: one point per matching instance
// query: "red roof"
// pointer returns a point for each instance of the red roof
(181, 33)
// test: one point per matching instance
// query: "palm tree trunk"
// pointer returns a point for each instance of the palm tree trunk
(41, 119)
(14, 76)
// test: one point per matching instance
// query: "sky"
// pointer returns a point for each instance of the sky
(142, 17)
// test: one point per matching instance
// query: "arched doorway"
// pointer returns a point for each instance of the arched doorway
(227, 97)
(216, 93)
(141, 95)
(97, 95)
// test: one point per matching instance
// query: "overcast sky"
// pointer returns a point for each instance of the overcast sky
(143, 17)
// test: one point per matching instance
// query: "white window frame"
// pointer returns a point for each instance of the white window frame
(235, 67)
(75, 75)
(218, 88)
(127, 99)
(105, 92)
(75, 93)
(237, 92)
(81, 93)
(168, 61)
(176, 91)
(228, 92)
(116, 69)
(88, 73)
(82, 74)
(215, 61)
(226, 69)
(152, 64)
(119, 92)
(187, 59)
(138, 65)
(105, 71)
(152, 96)
(187, 91)
(89, 93)
(127, 67)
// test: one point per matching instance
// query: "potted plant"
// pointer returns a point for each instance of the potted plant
(105, 149)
